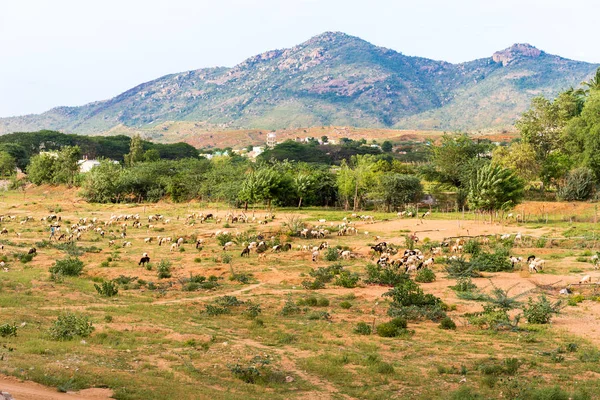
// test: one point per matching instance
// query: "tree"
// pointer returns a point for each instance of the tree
(594, 82)
(66, 165)
(41, 168)
(101, 184)
(303, 186)
(541, 126)
(7, 164)
(399, 189)
(364, 176)
(519, 157)
(345, 183)
(456, 159)
(151, 155)
(495, 188)
(387, 146)
(324, 139)
(136, 151)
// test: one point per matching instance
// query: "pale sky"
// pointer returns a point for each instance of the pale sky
(71, 52)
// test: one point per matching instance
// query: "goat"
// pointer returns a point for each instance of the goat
(246, 252)
(32, 251)
(586, 279)
(199, 243)
(228, 245)
(315, 256)
(144, 260)
(173, 247)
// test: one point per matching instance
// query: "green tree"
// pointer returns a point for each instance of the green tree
(594, 82)
(345, 183)
(101, 184)
(399, 189)
(7, 164)
(495, 188)
(66, 166)
(457, 158)
(541, 126)
(580, 184)
(136, 151)
(519, 157)
(387, 146)
(151, 155)
(41, 168)
(364, 176)
(303, 185)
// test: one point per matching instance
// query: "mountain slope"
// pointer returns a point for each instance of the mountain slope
(332, 79)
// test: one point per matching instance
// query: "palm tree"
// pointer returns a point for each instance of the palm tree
(593, 83)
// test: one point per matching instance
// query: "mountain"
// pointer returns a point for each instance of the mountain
(331, 79)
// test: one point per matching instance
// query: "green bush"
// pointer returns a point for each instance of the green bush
(379, 275)
(347, 279)
(472, 246)
(107, 289)
(253, 310)
(425, 275)
(332, 254)
(319, 315)
(8, 330)
(399, 322)
(345, 305)
(579, 185)
(223, 238)
(164, 269)
(67, 267)
(68, 326)
(213, 310)
(447, 323)
(385, 368)
(388, 329)
(464, 284)
(541, 311)
(362, 328)
(290, 308)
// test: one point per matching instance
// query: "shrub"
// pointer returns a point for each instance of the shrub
(425, 275)
(8, 330)
(164, 269)
(464, 284)
(213, 310)
(345, 305)
(460, 268)
(67, 267)
(540, 312)
(289, 308)
(332, 254)
(385, 368)
(447, 323)
(228, 301)
(580, 185)
(347, 279)
(399, 322)
(253, 310)
(575, 299)
(362, 328)
(492, 262)
(472, 247)
(319, 315)
(322, 302)
(68, 326)
(252, 372)
(315, 284)
(387, 329)
(107, 289)
(377, 274)
(223, 238)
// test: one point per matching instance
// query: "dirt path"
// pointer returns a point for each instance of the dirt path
(27, 390)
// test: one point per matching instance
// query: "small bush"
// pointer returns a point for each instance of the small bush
(387, 330)
(332, 254)
(385, 368)
(315, 284)
(447, 323)
(8, 330)
(213, 310)
(164, 269)
(347, 279)
(67, 267)
(362, 328)
(580, 185)
(472, 247)
(107, 289)
(252, 311)
(68, 326)
(575, 299)
(425, 275)
(345, 305)
(319, 315)
(464, 284)
(223, 238)
(541, 311)
(290, 308)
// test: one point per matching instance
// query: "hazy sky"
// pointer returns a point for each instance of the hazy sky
(70, 52)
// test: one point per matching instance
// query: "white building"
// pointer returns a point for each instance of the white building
(87, 165)
(271, 139)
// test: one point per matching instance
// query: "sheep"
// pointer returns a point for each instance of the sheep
(32, 251)
(346, 255)
(148, 240)
(246, 252)
(228, 245)
(586, 279)
(180, 241)
(276, 248)
(144, 260)
(515, 260)
(173, 247)
(111, 243)
(429, 262)
(127, 244)
(315, 256)
(199, 243)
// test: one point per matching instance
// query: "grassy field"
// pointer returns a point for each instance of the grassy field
(165, 338)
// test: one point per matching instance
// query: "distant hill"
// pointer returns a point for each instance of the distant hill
(332, 79)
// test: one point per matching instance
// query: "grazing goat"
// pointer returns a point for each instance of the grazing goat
(586, 279)
(144, 260)
(246, 252)
(32, 251)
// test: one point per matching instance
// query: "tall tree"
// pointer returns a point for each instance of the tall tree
(495, 188)
(136, 151)
(7, 164)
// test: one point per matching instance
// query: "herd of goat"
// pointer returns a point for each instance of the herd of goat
(411, 260)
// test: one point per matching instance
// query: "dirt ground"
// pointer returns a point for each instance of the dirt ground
(26, 390)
